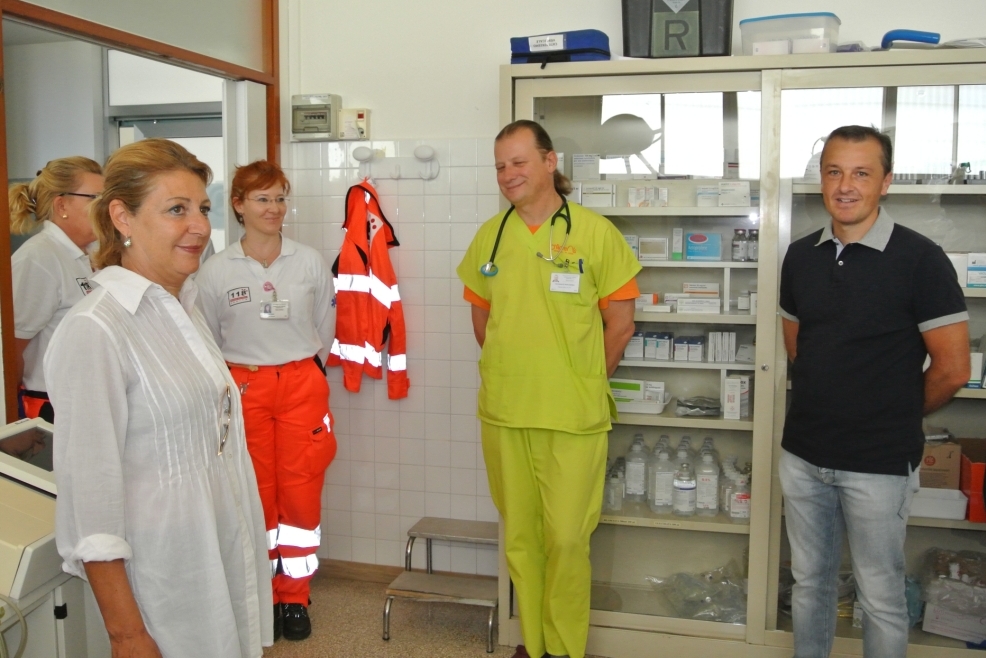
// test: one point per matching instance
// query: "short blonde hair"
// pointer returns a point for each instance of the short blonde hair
(32, 203)
(130, 174)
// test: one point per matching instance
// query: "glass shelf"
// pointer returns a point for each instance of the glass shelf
(681, 211)
(695, 365)
(696, 318)
(641, 607)
(808, 188)
(721, 264)
(945, 523)
(639, 515)
(668, 419)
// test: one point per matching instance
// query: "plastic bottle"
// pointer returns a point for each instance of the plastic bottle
(636, 474)
(660, 484)
(739, 245)
(613, 493)
(707, 486)
(683, 496)
(753, 245)
(739, 504)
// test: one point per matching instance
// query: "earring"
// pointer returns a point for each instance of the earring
(64, 216)
(127, 243)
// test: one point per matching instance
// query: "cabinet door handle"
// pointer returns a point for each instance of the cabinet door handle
(765, 367)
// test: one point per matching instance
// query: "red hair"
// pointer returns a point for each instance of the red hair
(258, 175)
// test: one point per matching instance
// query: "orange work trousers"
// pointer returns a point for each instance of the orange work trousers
(289, 433)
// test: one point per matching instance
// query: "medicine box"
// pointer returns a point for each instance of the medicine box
(677, 241)
(961, 264)
(698, 305)
(634, 243)
(706, 196)
(971, 476)
(650, 345)
(734, 193)
(680, 346)
(731, 393)
(708, 247)
(627, 390)
(652, 249)
(941, 465)
(663, 349)
(646, 299)
(968, 628)
(598, 195)
(939, 504)
(635, 348)
(701, 288)
(975, 369)
(976, 271)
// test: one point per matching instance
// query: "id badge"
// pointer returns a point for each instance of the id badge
(279, 310)
(561, 282)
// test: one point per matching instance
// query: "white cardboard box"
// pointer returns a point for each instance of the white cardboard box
(734, 193)
(961, 264)
(731, 394)
(976, 271)
(939, 504)
(698, 305)
(968, 628)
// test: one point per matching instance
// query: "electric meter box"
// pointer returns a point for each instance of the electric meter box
(315, 117)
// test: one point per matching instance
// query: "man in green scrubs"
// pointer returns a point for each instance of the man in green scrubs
(552, 290)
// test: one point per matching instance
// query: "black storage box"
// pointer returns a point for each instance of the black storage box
(677, 28)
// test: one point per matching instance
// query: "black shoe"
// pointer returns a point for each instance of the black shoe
(297, 625)
(278, 622)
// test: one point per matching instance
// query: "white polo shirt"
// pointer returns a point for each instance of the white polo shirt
(232, 288)
(50, 274)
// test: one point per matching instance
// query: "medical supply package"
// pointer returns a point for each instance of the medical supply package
(571, 46)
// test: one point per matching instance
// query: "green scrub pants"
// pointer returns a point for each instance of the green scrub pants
(548, 486)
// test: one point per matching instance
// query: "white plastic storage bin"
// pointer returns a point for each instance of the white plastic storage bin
(939, 504)
(816, 32)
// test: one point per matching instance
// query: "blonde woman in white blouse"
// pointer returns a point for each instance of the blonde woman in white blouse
(157, 498)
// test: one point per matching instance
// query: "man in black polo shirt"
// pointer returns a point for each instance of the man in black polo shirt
(864, 301)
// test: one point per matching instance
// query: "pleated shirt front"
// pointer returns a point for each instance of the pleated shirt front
(140, 391)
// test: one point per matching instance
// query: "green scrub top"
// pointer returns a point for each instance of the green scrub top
(543, 364)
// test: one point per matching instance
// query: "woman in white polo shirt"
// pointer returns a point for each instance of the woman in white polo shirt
(51, 270)
(267, 300)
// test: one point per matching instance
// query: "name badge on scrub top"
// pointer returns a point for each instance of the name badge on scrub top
(564, 282)
(275, 310)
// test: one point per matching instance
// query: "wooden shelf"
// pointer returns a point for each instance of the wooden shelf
(668, 419)
(971, 393)
(680, 211)
(696, 318)
(695, 365)
(803, 188)
(639, 515)
(711, 264)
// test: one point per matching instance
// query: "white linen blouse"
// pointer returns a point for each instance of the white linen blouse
(140, 388)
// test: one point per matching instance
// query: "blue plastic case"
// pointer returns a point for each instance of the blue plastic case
(573, 46)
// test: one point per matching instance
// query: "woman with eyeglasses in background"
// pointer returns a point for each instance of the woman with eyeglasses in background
(51, 269)
(267, 300)
(157, 499)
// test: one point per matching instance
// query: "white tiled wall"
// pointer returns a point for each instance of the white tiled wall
(399, 460)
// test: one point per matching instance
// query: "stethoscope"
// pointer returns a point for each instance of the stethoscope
(490, 268)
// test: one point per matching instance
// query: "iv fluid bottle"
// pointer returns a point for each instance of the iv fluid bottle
(660, 484)
(613, 493)
(683, 497)
(707, 486)
(636, 474)
(739, 503)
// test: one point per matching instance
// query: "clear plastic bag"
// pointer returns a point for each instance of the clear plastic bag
(698, 406)
(955, 581)
(718, 595)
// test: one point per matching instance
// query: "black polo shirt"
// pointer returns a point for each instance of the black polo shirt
(857, 382)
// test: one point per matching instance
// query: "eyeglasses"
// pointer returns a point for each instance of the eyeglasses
(225, 416)
(87, 196)
(267, 201)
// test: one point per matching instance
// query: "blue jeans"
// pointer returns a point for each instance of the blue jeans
(820, 505)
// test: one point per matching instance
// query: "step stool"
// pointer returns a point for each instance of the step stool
(438, 588)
